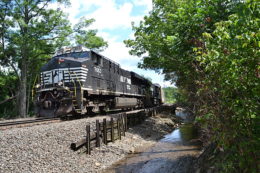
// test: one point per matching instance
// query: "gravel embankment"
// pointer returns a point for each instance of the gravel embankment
(46, 148)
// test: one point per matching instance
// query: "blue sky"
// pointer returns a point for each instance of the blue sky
(113, 21)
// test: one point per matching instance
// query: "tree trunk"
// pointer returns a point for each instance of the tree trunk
(24, 57)
(22, 89)
(29, 94)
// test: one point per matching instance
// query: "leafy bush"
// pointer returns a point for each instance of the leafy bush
(211, 50)
(8, 83)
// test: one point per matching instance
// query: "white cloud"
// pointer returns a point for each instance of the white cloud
(111, 16)
(118, 52)
(108, 14)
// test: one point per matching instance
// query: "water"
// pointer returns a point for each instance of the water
(184, 134)
(170, 154)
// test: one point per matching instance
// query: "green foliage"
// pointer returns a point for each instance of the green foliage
(232, 60)
(88, 38)
(169, 94)
(174, 95)
(211, 50)
(29, 34)
(8, 87)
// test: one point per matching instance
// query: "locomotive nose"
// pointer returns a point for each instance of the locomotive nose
(61, 62)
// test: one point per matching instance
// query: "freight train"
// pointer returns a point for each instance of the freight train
(80, 81)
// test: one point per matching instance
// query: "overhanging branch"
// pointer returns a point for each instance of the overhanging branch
(6, 100)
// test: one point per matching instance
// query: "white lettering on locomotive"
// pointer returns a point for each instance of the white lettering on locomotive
(97, 69)
(64, 74)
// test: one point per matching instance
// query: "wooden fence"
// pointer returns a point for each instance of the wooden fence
(112, 129)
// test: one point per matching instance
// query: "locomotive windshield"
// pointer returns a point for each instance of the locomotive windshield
(75, 55)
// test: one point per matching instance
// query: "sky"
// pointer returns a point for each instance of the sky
(113, 20)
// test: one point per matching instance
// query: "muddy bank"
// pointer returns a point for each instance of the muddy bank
(175, 153)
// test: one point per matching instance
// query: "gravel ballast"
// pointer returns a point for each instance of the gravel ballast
(46, 148)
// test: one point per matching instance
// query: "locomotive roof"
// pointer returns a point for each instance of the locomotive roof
(156, 84)
(80, 48)
(105, 57)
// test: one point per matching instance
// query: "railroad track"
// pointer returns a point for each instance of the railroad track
(26, 122)
(37, 121)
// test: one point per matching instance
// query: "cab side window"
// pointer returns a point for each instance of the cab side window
(97, 59)
(110, 66)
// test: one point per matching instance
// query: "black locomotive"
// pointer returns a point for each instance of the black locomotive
(77, 81)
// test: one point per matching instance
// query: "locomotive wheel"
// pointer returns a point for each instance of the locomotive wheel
(90, 111)
(103, 109)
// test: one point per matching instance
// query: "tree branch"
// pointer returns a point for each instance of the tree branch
(53, 38)
(15, 70)
(40, 9)
(6, 100)
(19, 6)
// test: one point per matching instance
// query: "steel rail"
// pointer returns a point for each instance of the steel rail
(43, 119)
(11, 123)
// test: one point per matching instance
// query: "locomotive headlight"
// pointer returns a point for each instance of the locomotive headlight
(60, 83)
(37, 86)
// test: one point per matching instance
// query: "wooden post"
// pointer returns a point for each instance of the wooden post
(144, 116)
(132, 120)
(88, 139)
(125, 116)
(112, 130)
(135, 119)
(105, 130)
(138, 116)
(118, 129)
(129, 120)
(97, 134)
(141, 116)
(122, 125)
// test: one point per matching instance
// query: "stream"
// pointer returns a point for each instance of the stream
(173, 153)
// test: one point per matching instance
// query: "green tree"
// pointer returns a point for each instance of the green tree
(232, 64)
(211, 50)
(30, 33)
(169, 36)
(8, 88)
(88, 38)
(169, 94)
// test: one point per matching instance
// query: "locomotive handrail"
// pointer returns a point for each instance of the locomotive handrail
(74, 85)
(33, 87)
(77, 79)
(73, 80)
